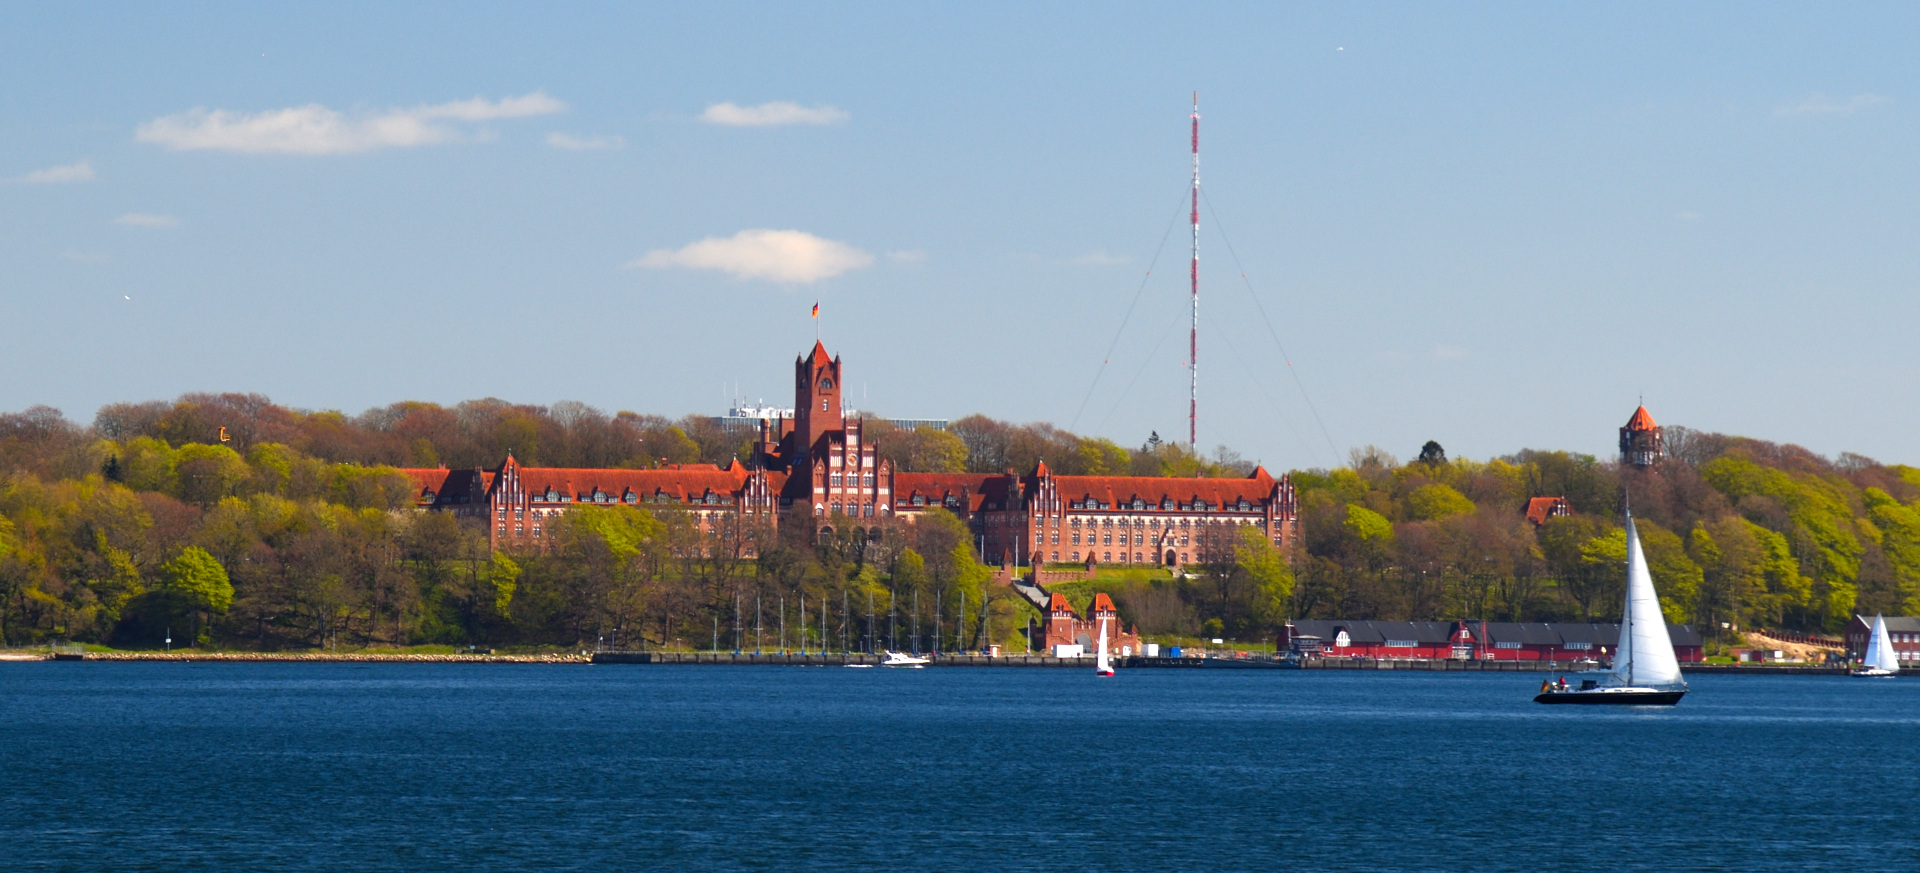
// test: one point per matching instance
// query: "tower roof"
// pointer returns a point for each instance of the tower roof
(1640, 420)
(819, 353)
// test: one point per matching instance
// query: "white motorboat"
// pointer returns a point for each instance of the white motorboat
(1645, 671)
(898, 659)
(1880, 661)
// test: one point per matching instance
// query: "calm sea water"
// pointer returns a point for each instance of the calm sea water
(184, 767)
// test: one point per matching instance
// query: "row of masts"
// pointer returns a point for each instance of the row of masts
(804, 637)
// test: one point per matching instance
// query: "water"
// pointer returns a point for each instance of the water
(177, 767)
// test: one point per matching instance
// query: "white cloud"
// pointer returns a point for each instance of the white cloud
(146, 219)
(314, 129)
(1449, 353)
(79, 172)
(1100, 259)
(772, 114)
(907, 256)
(1821, 104)
(780, 255)
(585, 143)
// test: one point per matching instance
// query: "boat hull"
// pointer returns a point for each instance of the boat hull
(1635, 697)
(1874, 673)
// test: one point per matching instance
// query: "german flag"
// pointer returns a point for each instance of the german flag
(816, 311)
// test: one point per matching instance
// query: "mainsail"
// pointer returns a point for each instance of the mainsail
(1645, 657)
(1880, 654)
(1100, 664)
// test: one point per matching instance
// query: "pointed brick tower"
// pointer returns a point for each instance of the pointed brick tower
(816, 398)
(1641, 443)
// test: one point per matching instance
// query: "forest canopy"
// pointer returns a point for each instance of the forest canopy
(298, 532)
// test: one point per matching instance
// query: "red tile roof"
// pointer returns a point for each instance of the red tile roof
(678, 481)
(1111, 490)
(1539, 509)
(1058, 603)
(425, 480)
(1640, 420)
(1101, 604)
(937, 486)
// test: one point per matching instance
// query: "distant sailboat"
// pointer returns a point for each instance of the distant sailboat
(1645, 670)
(1880, 661)
(1101, 666)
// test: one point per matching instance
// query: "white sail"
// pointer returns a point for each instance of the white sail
(1645, 657)
(1880, 654)
(1100, 664)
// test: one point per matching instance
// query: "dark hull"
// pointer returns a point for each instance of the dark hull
(1612, 698)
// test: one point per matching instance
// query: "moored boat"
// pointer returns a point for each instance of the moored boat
(899, 659)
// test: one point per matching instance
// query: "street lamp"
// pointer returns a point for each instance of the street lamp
(169, 640)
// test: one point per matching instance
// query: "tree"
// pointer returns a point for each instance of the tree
(1269, 579)
(1436, 501)
(197, 582)
(1431, 454)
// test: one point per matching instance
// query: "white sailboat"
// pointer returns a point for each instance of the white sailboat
(1645, 670)
(1880, 661)
(1101, 666)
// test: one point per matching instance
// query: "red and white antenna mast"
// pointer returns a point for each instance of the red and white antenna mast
(1193, 334)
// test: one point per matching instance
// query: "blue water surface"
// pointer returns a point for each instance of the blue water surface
(370, 767)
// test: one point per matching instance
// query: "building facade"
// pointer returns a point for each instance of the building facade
(819, 459)
(1070, 635)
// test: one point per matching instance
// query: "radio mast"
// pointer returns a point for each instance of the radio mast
(1193, 273)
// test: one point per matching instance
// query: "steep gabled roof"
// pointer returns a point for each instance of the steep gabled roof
(428, 482)
(1058, 603)
(1640, 420)
(1539, 509)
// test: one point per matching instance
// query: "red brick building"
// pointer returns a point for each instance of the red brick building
(1065, 628)
(1471, 640)
(819, 459)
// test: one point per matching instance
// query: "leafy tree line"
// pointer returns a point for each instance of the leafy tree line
(479, 433)
(117, 533)
(1738, 532)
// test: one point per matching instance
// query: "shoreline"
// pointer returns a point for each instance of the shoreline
(1135, 662)
(301, 657)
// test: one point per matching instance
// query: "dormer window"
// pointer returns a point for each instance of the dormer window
(553, 496)
(632, 497)
(952, 500)
(919, 501)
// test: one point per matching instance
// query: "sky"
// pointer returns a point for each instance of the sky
(1497, 226)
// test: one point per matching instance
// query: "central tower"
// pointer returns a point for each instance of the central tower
(816, 398)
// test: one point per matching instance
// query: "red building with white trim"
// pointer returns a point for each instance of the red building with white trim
(819, 459)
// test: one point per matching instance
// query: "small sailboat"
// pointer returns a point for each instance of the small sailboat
(900, 659)
(1102, 666)
(1879, 661)
(1645, 671)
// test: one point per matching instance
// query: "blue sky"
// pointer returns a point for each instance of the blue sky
(1496, 226)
